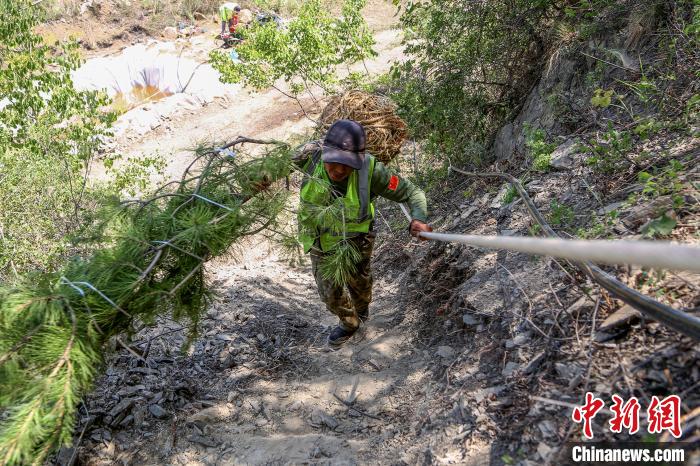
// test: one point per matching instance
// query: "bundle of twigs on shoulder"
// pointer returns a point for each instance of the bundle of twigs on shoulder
(385, 130)
(54, 327)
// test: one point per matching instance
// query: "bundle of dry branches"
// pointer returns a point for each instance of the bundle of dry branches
(386, 132)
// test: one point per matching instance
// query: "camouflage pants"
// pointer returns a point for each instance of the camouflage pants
(347, 301)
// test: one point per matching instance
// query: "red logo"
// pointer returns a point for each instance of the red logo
(626, 415)
(587, 412)
(661, 415)
(393, 183)
(665, 415)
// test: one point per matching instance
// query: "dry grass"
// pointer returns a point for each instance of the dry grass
(57, 9)
(386, 132)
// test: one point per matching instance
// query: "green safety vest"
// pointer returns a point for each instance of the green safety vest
(226, 11)
(316, 192)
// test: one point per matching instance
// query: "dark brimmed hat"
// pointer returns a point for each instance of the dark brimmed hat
(345, 144)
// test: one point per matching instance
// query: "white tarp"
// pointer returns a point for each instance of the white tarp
(160, 65)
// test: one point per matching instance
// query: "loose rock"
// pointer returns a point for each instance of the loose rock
(210, 415)
(122, 406)
(445, 352)
(170, 33)
(157, 411)
(319, 418)
(563, 156)
(510, 368)
(544, 450)
(469, 320)
(548, 428)
(567, 371)
(534, 363)
(622, 317)
(232, 395)
(498, 200)
(201, 440)
(584, 302)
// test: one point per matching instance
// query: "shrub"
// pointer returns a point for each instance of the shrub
(305, 53)
(50, 138)
(540, 149)
(470, 63)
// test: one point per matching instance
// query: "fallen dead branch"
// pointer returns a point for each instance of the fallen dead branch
(673, 318)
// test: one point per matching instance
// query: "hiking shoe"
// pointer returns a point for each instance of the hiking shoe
(339, 335)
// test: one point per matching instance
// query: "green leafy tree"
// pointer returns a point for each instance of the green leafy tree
(469, 64)
(50, 134)
(304, 53)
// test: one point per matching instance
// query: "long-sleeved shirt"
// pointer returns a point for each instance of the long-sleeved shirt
(385, 183)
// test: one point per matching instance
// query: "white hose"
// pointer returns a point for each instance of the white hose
(655, 254)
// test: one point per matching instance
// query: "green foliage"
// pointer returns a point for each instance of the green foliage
(645, 89)
(647, 128)
(661, 182)
(56, 9)
(692, 28)
(189, 7)
(377, 84)
(535, 229)
(601, 226)
(666, 181)
(289, 248)
(468, 67)
(540, 149)
(328, 217)
(154, 13)
(592, 17)
(510, 195)
(131, 175)
(610, 150)
(307, 52)
(340, 263)
(54, 326)
(561, 214)
(602, 98)
(660, 226)
(691, 113)
(50, 135)
(283, 7)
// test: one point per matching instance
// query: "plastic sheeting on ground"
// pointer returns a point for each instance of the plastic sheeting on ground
(157, 75)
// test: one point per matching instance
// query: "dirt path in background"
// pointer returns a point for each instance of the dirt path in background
(267, 114)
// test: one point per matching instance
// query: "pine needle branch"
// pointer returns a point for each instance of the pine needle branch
(54, 327)
(341, 262)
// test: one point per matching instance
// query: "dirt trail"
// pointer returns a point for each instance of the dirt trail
(259, 386)
(268, 381)
(267, 114)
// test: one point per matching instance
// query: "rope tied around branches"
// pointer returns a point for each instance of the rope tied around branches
(93, 288)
